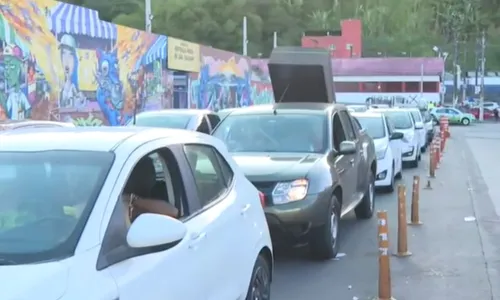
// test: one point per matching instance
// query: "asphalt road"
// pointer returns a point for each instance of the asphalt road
(452, 258)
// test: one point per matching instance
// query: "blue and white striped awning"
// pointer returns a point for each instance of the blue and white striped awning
(158, 51)
(72, 19)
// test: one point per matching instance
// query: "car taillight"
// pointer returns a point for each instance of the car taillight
(262, 199)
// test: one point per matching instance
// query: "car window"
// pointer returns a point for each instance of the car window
(355, 123)
(349, 129)
(374, 126)
(212, 174)
(203, 127)
(339, 135)
(167, 191)
(441, 111)
(46, 200)
(213, 119)
(400, 119)
(452, 111)
(267, 132)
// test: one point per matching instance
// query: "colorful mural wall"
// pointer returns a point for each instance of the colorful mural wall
(61, 62)
(262, 92)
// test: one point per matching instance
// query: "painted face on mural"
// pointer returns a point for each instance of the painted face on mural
(13, 67)
(68, 60)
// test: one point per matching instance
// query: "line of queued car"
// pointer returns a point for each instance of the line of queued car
(143, 211)
(400, 134)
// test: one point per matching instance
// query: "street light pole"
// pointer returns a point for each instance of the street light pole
(483, 62)
(148, 16)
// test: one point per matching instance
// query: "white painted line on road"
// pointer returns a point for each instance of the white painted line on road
(470, 219)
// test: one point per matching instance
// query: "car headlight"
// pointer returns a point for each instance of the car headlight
(381, 153)
(285, 192)
(410, 149)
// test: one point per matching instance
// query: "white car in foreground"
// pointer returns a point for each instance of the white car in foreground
(128, 213)
(403, 122)
(387, 146)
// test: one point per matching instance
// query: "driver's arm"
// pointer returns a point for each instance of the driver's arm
(155, 206)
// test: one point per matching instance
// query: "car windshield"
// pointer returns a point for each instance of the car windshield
(47, 197)
(416, 116)
(400, 119)
(374, 126)
(274, 133)
(176, 121)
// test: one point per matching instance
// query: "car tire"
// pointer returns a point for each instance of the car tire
(365, 208)
(323, 240)
(465, 121)
(260, 282)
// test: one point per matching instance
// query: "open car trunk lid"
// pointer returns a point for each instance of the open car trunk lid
(301, 75)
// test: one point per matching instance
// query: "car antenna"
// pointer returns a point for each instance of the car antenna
(281, 98)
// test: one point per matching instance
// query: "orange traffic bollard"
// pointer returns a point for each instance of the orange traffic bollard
(446, 127)
(432, 160)
(437, 153)
(384, 268)
(415, 198)
(402, 226)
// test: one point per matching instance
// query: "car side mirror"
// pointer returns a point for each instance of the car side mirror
(397, 136)
(419, 125)
(150, 230)
(347, 147)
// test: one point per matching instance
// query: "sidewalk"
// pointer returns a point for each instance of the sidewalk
(452, 258)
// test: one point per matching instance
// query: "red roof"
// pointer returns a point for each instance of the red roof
(379, 66)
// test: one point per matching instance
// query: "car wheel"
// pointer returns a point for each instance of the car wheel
(260, 283)
(323, 240)
(364, 210)
(465, 121)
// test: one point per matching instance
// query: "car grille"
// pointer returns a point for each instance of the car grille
(267, 189)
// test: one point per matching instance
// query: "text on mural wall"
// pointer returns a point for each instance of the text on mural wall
(184, 52)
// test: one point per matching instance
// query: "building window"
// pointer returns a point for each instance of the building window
(392, 87)
(372, 87)
(431, 87)
(346, 87)
(412, 87)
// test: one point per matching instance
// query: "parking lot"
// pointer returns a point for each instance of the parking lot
(454, 253)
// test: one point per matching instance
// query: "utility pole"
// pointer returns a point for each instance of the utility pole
(455, 64)
(245, 38)
(148, 17)
(483, 62)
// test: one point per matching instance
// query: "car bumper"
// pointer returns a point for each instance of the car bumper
(384, 172)
(293, 220)
(410, 153)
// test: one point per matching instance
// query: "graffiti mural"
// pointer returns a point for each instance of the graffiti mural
(61, 62)
(224, 81)
(262, 91)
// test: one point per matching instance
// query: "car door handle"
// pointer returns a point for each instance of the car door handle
(196, 238)
(245, 209)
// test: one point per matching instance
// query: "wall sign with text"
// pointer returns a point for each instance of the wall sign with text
(183, 55)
